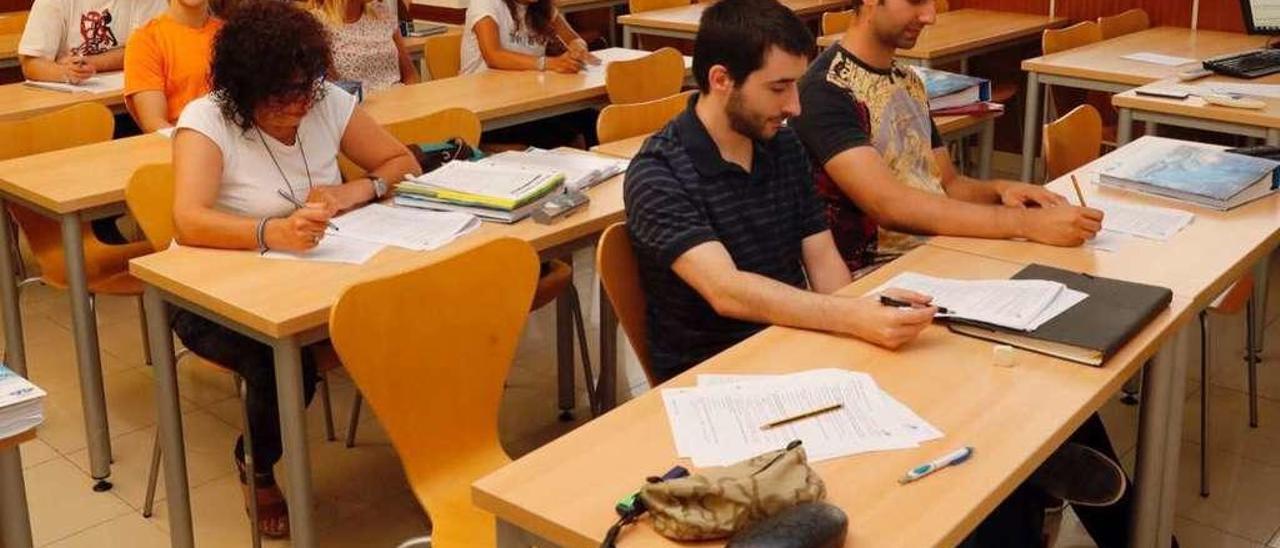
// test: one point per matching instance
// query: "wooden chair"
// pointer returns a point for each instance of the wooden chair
(1072, 141)
(13, 22)
(437, 126)
(835, 22)
(106, 266)
(1121, 24)
(149, 196)
(653, 76)
(443, 53)
(617, 122)
(1074, 36)
(437, 384)
(638, 6)
(941, 6)
(620, 277)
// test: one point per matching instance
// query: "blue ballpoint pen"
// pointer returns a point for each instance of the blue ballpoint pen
(955, 457)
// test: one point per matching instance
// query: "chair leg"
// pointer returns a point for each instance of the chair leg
(153, 477)
(1204, 404)
(249, 466)
(354, 420)
(1252, 351)
(328, 408)
(593, 397)
(146, 337)
(564, 358)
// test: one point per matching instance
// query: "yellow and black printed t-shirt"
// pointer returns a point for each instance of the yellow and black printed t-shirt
(847, 104)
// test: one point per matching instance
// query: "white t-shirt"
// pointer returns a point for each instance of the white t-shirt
(250, 179)
(519, 41)
(85, 27)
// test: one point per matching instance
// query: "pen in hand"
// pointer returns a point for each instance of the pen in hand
(301, 205)
(890, 301)
(1079, 195)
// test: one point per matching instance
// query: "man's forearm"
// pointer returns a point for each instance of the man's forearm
(755, 298)
(42, 70)
(108, 61)
(932, 214)
(975, 191)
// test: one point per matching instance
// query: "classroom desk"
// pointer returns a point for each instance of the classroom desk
(15, 521)
(573, 6)
(1100, 67)
(1198, 264)
(682, 21)
(18, 100)
(261, 298)
(9, 50)
(562, 494)
(1194, 112)
(961, 34)
(951, 128)
(55, 185)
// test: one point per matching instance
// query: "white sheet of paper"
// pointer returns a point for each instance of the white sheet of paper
(609, 55)
(1065, 300)
(333, 249)
(1106, 240)
(1152, 223)
(1257, 90)
(410, 228)
(1158, 59)
(99, 83)
(1016, 304)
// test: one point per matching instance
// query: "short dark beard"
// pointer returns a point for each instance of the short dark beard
(740, 121)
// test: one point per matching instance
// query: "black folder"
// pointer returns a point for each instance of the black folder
(1089, 332)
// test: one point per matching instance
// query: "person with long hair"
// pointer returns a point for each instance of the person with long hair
(270, 125)
(514, 35)
(367, 46)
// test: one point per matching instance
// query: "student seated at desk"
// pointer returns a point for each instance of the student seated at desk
(271, 124)
(730, 236)
(367, 46)
(71, 40)
(882, 168)
(514, 35)
(167, 63)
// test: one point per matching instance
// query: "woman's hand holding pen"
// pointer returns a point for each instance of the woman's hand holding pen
(301, 230)
(577, 49)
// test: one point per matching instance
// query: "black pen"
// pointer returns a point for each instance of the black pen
(890, 301)
(301, 205)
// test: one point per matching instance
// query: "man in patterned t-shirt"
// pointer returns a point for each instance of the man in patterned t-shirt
(881, 166)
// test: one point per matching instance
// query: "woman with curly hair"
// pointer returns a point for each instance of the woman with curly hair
(270, 125)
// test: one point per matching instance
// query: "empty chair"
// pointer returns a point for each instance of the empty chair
(443, 54)
(14, 22)
(835, 22)
(1121, 24)
(620, 276)
(1072, 141)
(1074, 36)
(437, 385)
(617, 122)
(638, 6)
(1236, 298)
(654, 76)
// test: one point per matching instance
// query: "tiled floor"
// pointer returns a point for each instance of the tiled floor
(362, 498)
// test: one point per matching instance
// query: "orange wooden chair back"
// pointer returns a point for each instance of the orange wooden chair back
(618, 122)
(1072, 141)
(620, 276)
(654, 76)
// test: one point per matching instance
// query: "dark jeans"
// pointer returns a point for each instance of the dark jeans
(255, 362)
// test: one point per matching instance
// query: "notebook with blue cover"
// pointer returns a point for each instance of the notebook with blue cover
(950, 90)
(1191, 172)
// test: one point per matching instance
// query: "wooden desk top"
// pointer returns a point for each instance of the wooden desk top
(264, 294)
(16, 440)
(1014, 418)
(1102, 61)
(9, 46)
(490, 94)
(1197, 263)
(685, 18)
(83, 177)
(1195, 107)
(967, 29)
(627, 148)
(21, 101)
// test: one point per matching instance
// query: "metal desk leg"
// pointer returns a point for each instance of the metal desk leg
(568, 396)
(293, 429)
(628, 41)
(85, 330)
(170, 415)
(15, 523)
(607, 389)
(986, 147)
(1180, 347)
(1124, 126)
(1030, 131)
(1155, 425)
(1261, 280)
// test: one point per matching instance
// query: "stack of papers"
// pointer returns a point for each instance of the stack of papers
(1152, 223)
(582, 170)
(489, 191)
(414, 229)
(719, 422)
(333, 248)
(21, 404)
(1021, 305)
(101, 83)
(1158, 59)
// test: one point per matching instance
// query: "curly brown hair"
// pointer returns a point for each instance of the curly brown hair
(268, 51)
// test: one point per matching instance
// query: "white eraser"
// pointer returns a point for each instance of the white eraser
(1002, 355)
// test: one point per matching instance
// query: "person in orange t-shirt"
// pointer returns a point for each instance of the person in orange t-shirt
(167, 63)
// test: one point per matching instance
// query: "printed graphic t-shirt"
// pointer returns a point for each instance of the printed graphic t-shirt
(83, 27)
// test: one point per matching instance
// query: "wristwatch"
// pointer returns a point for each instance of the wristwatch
(379, 187)
(542, 63)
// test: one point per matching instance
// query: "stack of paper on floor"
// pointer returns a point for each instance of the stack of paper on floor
(492, 192)
(720, 421)
(21, 404)
(582, 170)
(100, 83)
(1190, 172)
(948, 90)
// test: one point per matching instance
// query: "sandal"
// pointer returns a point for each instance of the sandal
(273, 510)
